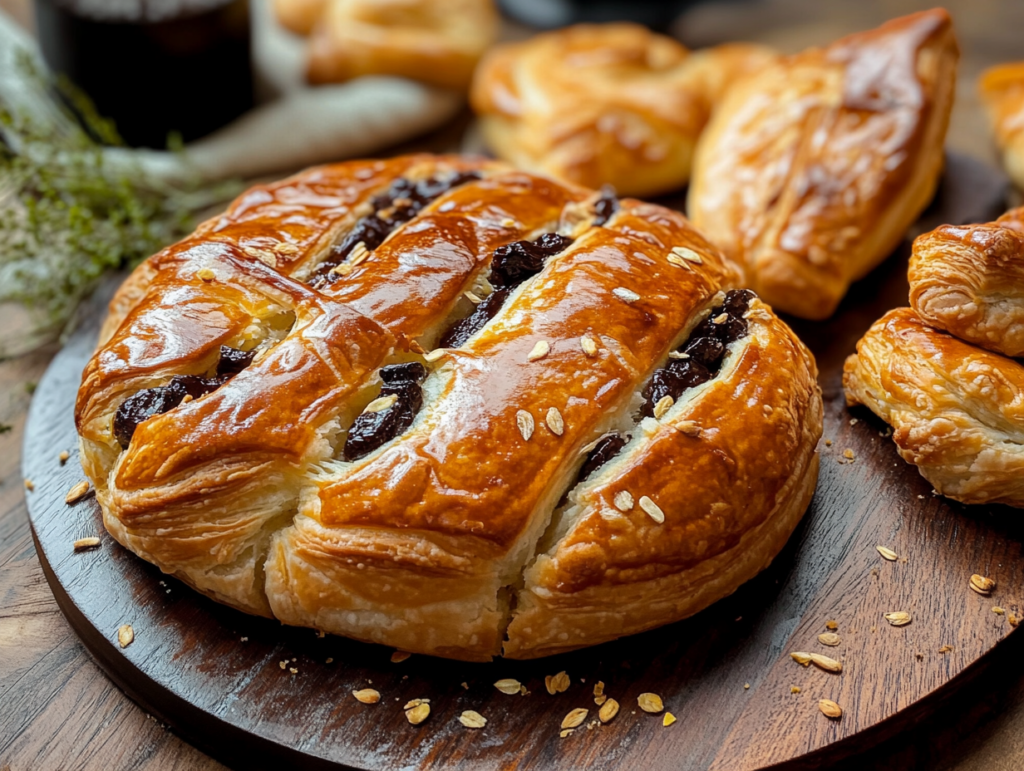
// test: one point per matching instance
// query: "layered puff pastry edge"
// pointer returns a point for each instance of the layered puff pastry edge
(468, 533)
(957, 411)
(969, 281)
(811, 170)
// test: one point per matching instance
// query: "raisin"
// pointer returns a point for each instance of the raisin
(605, 206)
(372, 429)
(156, 401)
(607, 447)
(459, 332)
(232, 360)
(513, 263)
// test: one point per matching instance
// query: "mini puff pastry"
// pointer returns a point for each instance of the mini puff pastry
(1002, 92)
(604, 104)
(451, 407)
(811, 171)
(957, 411)
(969, 281)
(434, 41)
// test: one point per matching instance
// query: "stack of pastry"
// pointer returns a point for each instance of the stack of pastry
(941, 372)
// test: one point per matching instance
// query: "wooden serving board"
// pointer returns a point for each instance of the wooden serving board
(216, 675)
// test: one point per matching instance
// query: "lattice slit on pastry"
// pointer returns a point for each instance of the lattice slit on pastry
(523, 392)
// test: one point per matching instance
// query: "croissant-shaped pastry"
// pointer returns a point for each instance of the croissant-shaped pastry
(387, 399)
(957, 411)
(969, 281)
(811, 171)
(1002, 92)
(604, 104)
(433, 41)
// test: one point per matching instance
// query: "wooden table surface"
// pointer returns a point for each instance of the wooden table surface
(59, 711)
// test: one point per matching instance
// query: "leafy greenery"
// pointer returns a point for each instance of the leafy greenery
(70, 211)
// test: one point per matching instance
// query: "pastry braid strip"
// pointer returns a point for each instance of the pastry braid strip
(699, 501)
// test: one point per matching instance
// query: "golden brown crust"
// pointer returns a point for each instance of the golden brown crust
(756, 468)
(811, 171)
(612, 103)
(957, 411)
(1002, 92)
(969, 281)
(242, 492)
(434, 41)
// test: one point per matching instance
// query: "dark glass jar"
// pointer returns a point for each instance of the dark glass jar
(153, 66)
(548, 14)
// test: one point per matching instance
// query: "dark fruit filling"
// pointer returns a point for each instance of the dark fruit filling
(372, 429)
(511, 265)
(607, 447)
(702, 352)
(156, 401)
(399, 204)
(606, 206)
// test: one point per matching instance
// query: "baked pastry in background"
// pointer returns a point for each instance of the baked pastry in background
(604, 104)
(811, 170)
(969, 281)
(433, 41)
(1002, 92)
(957, 411)
(373, 397)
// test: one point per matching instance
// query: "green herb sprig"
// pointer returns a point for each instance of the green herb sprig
(70, 211)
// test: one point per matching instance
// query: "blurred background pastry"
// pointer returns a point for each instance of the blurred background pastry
(605, 104)
(1002, 92)
(812, 170)
(433, 41)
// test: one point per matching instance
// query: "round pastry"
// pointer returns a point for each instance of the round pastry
(434, 41)
(969, 280)
(611, 103)
(957, 411)
(448, 406)
(811, 171)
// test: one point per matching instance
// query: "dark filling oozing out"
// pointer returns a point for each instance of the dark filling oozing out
(399, 204)
(372, 429)
(511, 265)
(155, 401)
(703, 352)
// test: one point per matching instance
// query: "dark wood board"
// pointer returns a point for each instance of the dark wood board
(191, 667)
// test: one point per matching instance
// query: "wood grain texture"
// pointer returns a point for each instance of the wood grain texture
(190, 666)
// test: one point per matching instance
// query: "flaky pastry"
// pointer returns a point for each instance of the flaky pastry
(969, 281)
(1002, 92)
(444, 405)
(434, 41)
(957, 411)
(811, 171)
(612, 103)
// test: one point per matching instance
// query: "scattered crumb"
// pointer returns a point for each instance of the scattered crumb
(828, 442)
(125, 635)
(794, 689)
(854, 421)
(64, 457)
(245, 639)
(848, 454)
(668, 720)
(920, 656)
(746, 686)
(30, 485)
(831, 625)
(945, 649)
(998, 611)
(399, 656)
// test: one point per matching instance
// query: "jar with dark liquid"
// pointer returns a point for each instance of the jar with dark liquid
(156, 67)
